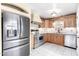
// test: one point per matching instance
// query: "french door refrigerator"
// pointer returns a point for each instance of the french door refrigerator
(15, 38)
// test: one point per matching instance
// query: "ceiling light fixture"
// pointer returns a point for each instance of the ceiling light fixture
(54, 11)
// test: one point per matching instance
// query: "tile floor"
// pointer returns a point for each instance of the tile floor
(49, 49)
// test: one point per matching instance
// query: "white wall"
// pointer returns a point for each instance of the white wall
(78, 30)
(24, 6)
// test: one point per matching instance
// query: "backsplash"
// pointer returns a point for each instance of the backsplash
(70, 30)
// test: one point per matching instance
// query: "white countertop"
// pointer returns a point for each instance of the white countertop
(53, 30)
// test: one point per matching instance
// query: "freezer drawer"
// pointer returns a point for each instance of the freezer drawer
(9, 44)
(17, 51)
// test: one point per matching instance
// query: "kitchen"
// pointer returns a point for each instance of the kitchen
(41, 29)
(54, 29)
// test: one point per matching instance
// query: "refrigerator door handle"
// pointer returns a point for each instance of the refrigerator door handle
(21, 26)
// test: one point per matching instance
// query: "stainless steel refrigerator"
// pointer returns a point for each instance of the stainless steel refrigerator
(15, 34)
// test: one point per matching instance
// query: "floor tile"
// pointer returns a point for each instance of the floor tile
(49, 49)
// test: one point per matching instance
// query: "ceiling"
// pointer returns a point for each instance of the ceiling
(42, 8)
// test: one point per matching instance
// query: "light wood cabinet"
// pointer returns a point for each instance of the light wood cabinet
(60, 39)
(45, 37)
(70, 21)
(46, 23)
(50, 23)
(32, 41)
(55, 38)
(52, 38)
(49, 37)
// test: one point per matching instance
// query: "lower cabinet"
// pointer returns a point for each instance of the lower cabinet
(32, 41)
(45, 37)
(54, 38)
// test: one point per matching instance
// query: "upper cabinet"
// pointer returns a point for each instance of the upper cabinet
(36, 18)
(70, 21)
(46, 23)
(62, 21)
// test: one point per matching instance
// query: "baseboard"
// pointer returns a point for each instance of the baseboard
(70, 47)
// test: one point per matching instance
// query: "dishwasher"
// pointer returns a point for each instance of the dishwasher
(70, 41)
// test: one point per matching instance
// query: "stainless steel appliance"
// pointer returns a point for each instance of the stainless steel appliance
(38, 39)
(15, 34)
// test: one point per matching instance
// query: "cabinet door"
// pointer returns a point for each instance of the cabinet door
(70, 21)
(48, 37)
(50, 24)
(51, 38)
(58, 39)
(61, 42)
(73, 20)
(47, 25)
(45, 38)
(54, 38)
